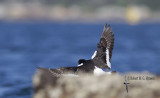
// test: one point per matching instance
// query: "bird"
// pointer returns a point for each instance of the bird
(100, 60)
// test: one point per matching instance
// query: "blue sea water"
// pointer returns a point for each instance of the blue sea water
(25, 45)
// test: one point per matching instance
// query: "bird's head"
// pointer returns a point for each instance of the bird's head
(81, 61)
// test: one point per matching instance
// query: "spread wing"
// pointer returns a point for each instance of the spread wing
(107, 39)
(53, 72)
(105, 46)
(59, 72)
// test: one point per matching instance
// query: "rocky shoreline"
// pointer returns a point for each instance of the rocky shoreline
(142, 85)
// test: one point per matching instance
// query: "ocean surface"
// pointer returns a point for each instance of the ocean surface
(25, 45)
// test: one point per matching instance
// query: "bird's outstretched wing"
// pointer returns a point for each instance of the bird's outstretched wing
(63, 71)
(53, 72)
(105, 46)
(107, 39)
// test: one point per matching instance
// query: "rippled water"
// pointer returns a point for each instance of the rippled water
(23, 46)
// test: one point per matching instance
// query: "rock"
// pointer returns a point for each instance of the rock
(89, 86)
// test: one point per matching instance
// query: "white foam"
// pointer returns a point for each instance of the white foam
(94, 55)
(107, 58)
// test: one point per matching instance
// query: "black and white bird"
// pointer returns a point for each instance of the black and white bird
(100, 60)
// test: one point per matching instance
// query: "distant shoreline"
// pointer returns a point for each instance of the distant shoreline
(150, 21)
(131, 14)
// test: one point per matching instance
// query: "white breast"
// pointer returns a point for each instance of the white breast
(98, 71)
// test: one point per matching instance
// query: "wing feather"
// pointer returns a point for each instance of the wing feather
(108, 43)
(105, 47)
